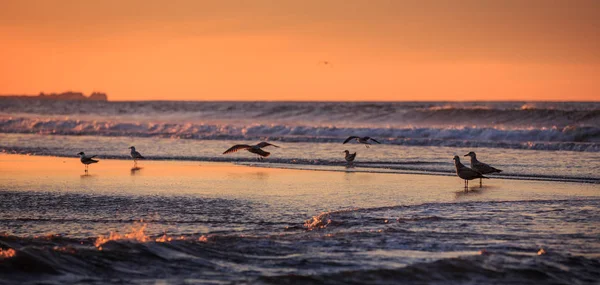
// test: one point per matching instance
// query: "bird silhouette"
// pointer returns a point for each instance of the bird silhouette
(87, 160)
(256, 149)
(363, 140)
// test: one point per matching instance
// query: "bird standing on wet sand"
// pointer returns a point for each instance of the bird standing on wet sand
(135, 155)
(480, 166)
(350, 157)
(363, 140)
(256, 149)
(465, 172)
(87, 160)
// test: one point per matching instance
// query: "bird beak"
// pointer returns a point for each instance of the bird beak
(467, 154)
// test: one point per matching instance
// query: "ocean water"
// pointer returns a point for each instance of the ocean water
(572, 126)
(191, 215)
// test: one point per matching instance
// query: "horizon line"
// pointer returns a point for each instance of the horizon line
(323, 101)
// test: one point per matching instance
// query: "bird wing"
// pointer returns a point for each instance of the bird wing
(484, 168)
(468, 173)
(265, 144)
(259, 152)
(236, 148)
(88, 159)
(374, 140)
(137, 155)
(349, 139)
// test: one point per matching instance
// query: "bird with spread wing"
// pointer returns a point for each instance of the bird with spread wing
(363, 140)
(256, 149)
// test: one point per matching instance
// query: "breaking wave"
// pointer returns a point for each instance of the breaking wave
(572, 138)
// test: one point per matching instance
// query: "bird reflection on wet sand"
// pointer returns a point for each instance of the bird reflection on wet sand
(135, 170)
(466, 194)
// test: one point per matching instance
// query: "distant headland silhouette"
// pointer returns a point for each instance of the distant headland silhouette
(64, 96)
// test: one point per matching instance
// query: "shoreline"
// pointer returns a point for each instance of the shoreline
(363, 167)
(40, 173)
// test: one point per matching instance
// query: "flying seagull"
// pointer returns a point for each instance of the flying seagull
(480, 166)
(465, 172)
(350, 157)
(135, 154)
(256, 149)
(87, 160)
(363, 140)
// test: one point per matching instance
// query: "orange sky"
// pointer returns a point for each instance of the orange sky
(270, 50)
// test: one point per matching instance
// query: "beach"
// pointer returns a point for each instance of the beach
(250, 222)
(286, 142)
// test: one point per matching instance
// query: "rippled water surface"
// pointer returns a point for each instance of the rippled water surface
(186, 222)
(567, 126)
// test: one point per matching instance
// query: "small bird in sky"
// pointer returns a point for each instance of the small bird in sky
(363, 140)
(465, 172)
(350, 158)
(326, 63)
(135, 155)
(256, 149)
(480, 166)
(87, 160)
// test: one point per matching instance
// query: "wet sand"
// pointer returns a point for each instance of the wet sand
(316, 190)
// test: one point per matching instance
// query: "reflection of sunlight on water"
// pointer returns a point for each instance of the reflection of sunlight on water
(137, 233)
(318, 222)
(7, 253)
(257, 175)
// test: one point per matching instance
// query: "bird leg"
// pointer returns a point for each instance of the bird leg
(480, 183)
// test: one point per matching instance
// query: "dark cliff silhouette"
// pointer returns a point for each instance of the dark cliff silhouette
(66, 96)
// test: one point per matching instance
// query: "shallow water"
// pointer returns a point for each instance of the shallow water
(515, 163)
(204, 222)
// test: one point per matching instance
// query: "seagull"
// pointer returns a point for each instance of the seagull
(350, 157)
(135, 155)
(363, 140)
(465, 172)
(87, 160)
(480, 166)
(256, 149)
